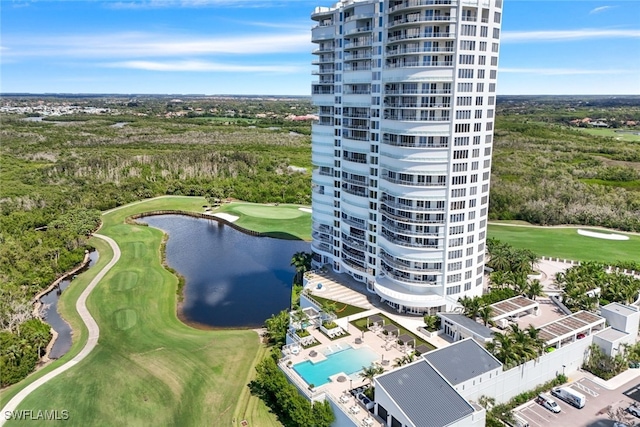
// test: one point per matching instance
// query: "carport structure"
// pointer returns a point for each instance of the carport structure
(566, 330)
(514, 307)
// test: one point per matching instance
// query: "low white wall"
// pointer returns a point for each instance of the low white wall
(528, 376)
(342, 419)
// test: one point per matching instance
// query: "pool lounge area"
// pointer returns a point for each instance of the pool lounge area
(330, 368)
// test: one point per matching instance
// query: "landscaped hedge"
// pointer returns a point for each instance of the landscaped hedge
(503, 411)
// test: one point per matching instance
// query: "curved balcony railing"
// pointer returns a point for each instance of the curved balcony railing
(396, 205)
(416, 105)
(348, 56)
(358, 16)
(353, 243)
(419, 3)
(362, 183)
(354, 191)
(322, 228)
(355, 44)
(366, 115)
(393, 227)
(418, 19)
(401, 37)
(411, 118)
(357, 224)
(355, 159)
(411, 219)
(410, 243)
(322, 237)
(412, 183)
(353, 264)
(357, 30)
(354, 255)
(320, 50)
(405, 278)
(408, 51)
(419, 65)
(321, 246)
(391, 262)
(414, 144)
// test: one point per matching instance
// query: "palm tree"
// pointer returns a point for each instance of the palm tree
(534, 337)
(520, 283)
(302, 262)
(299, 317)
(369, 372)
(534, 290)
(470, 306)
(486, 312)
(498, 279)
(504, 349)
(532, 257)
(500, 258)
(401, 361)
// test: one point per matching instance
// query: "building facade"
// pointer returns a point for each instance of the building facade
(406, 95)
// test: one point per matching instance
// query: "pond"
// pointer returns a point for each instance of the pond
(232, 279)
(53, 318)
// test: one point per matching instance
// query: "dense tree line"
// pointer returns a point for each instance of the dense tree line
(283, 398)
(21, 349)
(551, 174)
(589, 284)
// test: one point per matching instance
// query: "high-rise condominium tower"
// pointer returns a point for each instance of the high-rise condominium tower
(406, 96)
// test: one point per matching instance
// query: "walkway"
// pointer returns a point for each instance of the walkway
(92, 327)
(340, 288)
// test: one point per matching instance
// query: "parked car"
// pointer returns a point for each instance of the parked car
(548, 403)
(634, 410)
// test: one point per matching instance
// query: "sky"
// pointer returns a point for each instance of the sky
(263, 47)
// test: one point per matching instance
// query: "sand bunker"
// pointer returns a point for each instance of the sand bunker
(226, 217)
(610, 236)
(305, 210)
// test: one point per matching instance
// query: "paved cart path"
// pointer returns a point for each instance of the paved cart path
(92, 341)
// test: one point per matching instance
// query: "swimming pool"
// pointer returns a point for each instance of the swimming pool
(349, 360)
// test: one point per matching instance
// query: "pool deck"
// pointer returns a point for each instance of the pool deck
(345, 289)
(385, 347)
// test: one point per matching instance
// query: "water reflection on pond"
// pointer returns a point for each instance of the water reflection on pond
(53, 318)
(232, 279)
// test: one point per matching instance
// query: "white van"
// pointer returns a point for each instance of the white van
(548, 403)
(570, 396)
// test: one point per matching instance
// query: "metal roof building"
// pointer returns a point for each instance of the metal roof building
(459, 327)
(462, 361)
(418, 396)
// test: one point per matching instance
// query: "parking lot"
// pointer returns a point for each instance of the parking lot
(594, 413)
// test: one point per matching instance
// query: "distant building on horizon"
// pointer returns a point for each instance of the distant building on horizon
(406, 95)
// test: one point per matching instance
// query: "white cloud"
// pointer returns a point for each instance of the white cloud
(202, 66)
(561, 71)
(136, 44)
(600, 9)
(566, 35)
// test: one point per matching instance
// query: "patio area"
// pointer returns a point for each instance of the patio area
(340, 384)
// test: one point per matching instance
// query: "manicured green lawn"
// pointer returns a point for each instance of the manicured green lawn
(282, 221)
(623, 134)
(149, 368)
(567, 243)
(343, 310)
